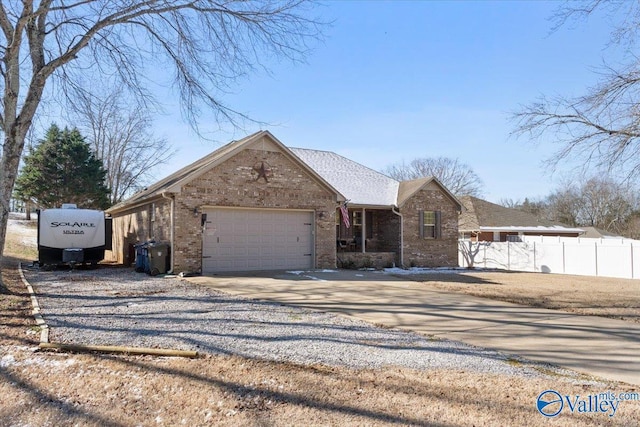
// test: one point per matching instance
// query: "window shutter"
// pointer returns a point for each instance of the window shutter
(438, 233)
(421, 224)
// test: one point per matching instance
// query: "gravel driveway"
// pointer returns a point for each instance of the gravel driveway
(116, 306)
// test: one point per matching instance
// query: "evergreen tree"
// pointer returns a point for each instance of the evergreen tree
(62, 169)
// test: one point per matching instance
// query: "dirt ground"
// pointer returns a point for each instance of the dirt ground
(52, 389)
(596, 296)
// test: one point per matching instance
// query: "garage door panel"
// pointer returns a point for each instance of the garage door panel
(241, 239)
(277, 240)
(255, 252)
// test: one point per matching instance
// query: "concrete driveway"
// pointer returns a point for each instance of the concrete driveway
(593, 345)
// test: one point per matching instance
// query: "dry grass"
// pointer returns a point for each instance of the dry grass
(597, 296)
(61, 389)
(21, 240)
(51, 389)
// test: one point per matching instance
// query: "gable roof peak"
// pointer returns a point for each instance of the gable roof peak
(173, 183)
(410, 187)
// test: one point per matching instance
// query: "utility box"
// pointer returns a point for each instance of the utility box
(158, 255)
(72, 256)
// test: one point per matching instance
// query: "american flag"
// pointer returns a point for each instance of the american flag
(345, 215)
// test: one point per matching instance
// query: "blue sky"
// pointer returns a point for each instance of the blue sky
(394, 81)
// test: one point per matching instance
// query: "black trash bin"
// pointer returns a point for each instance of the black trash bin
(158, 256)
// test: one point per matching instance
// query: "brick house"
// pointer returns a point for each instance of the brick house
(483, 221)
(255, 204)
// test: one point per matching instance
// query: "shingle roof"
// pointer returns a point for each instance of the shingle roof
(596, 233)
(359, 184)
(483, 215)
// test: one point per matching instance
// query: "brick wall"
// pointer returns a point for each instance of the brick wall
(425, 252)
(233, 184)
(140, 224)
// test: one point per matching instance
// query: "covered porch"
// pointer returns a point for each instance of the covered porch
(369, 237)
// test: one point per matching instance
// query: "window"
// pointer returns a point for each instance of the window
(357, 218)
(430, 224)
(357, 223)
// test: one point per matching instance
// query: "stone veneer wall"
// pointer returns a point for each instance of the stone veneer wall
(421, 252)
(355, 260)
(234, 183)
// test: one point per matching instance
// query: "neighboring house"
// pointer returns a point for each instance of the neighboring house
(255, 204)
(487, 222)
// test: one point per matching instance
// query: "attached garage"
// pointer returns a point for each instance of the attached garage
(256, 239)
(250, 205)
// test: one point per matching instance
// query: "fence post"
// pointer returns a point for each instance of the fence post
(508, 255)
(485, 256)
(534, 256)
(631, 247)
(564, 267)
(596, 246)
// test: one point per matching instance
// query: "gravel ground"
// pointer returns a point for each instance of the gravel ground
(116, 306)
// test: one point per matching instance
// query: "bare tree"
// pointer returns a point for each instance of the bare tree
(120, 135)
(458, 177)
(602, 127)
(535, 207)
(563, 206)
(597, 202)
(510, 203)
(206, 44)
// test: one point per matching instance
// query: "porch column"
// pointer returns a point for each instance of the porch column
(364, 230)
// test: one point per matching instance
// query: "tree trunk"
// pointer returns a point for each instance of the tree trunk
(11, 151)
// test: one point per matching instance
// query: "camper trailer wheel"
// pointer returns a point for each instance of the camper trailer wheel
(154, 272)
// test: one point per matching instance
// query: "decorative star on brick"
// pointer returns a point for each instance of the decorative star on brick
(263, 170)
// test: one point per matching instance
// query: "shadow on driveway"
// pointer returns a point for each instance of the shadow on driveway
(597, 346)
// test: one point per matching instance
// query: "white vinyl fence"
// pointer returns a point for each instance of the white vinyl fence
(560, 255)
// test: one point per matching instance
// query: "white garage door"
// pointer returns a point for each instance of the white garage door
(252, 239)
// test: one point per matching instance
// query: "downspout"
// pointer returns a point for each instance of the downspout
(171, 238)
(401, 236)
